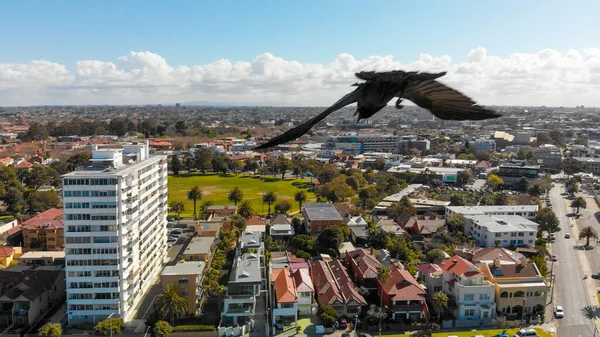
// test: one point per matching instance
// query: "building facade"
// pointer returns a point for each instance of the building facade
(115, 216)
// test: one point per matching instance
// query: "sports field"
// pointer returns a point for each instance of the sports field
(216, 187)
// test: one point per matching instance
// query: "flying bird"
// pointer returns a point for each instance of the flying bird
(380, 87)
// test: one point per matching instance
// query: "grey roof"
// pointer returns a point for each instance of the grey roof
(185, 268)
(250, 239)
(246, 269)
(491, 209)
(320, 212)
(504, 223)
(280, 219)
(199, 245)
(359, 231)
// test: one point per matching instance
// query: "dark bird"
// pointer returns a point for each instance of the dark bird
(380, 87)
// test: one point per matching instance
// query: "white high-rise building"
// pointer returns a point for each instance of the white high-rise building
(115, 214)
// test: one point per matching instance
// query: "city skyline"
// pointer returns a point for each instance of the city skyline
(73, 53)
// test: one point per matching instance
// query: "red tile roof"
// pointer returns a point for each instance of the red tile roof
(363, 262)
(402, 286)
(6, 251)
(460, 267)
(327, 291)
(256, 220)
(348, 289)
(52, 217)
(24, 164)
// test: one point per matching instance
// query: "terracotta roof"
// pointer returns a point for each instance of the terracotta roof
(402, 286)
(49, 219)
(507, 256)
(405, 219)
(366, 263)
(13, 230)
(348, 289)
(428, 268)
(284, 287)
(430, 226)
(514, 270)
(6, 251)
(459, 266)
(327, 291)
(24, 164)
(159, 143)
(256, 220)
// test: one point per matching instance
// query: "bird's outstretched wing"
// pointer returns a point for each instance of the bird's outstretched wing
(303, 128)
(445, 102)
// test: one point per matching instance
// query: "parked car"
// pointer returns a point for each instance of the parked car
(596, 276)
(364, 335)
(171, 240)
(554, 258)
(567, 236)
(346, 334)
(342, 323)
(559, 312)
(526, 333)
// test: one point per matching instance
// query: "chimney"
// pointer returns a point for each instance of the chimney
(523, 262)
(497, 261)
(454, 261)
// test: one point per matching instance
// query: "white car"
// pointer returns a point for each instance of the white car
(559, 312)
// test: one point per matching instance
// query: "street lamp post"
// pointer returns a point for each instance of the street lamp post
(355, 324)
(110, 323)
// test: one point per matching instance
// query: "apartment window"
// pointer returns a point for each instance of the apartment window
(291, 305)
(484, 297)
(437, 289)
(353, 310)
(247, 290)
(78, 216)
(183, 280)
(469, 312)
(498, 235)
(486, 314)
(305, 294)
(469, 297)
(521, 234)
(513, 234)
(104, 193)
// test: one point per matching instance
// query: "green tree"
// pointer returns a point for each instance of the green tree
(203, 159)
(219, 164)
(303, 242)
(588, 233)
(250, 164)
(171, 303)
(50, 330)
(330, 238)
(404, 205)
(366, 196)
(269, 198)
(494, 182)
(162, 329)
(328, 315)
(175, 165)
(203, 213)
(547, 220)
(439, 302)
(283, 206)
(383, 276)
(40, 201)
(108, 326)
(456, 223)
(536, 189)
(36, 131)
(235, 195)
(521, 184)
(541, 264)
(177, 207)
(579, 202)
(195, 194)
(79, 159)
(379, 164)
(300, 198)
(245, 209)
(435, 256)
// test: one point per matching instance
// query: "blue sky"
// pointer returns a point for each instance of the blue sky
(309, 31)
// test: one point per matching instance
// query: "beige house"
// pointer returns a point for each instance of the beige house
(521, 290)
(188, 275)
(199, 249)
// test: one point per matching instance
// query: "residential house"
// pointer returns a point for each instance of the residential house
(243, 289)
(473, 295)
(489, 255)
(305, 291)
(280, 227)
(521, 290)
(358, 229)
(526, 211)
(189, 276)
(364, 266)
(419, 228)
(317, 217)
(199, 249)
(328, 289)
(27, 294)
(285, 299)
(44, 231)
(209, 228)
(404, 297)
(222, 210)
(8, 255)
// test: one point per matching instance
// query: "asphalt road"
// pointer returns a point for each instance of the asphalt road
(569, 289)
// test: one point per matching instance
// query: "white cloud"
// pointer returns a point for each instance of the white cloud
(547, 77)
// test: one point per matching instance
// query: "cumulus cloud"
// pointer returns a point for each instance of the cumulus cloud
(547, 77)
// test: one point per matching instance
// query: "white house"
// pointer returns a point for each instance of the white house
(281, 227)
(285, 299)
(474, 296)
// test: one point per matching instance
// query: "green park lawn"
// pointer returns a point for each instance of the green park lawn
(215, 188)
(486, 333)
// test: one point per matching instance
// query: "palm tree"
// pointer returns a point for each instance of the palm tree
(171, 303)
(587, 233)
(269, 198)
(195, 194)
(203, 211)
(579, 202)
(177, 207)
(439, 301)
(383, 275)
(235, 195)
(300, 198)
(246, 209)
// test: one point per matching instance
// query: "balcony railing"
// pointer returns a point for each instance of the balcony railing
(407, 307)
(236, 309)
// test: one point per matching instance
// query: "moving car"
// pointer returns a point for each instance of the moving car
(526, 333)
(567, 236)
(559, 312)
(554, 258)
(596, 276)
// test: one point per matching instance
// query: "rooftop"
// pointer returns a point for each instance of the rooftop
(199, 245)
(246, 269)
(467, 210)
(250, 239)
(43, 254)
(504, 223)
(321, 212)
(185, 268)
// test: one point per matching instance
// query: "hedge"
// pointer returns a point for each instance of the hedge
(194, 328)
